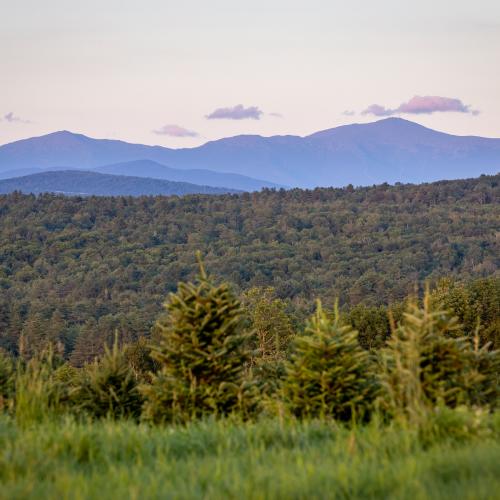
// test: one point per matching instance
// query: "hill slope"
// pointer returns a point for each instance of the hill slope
(77, 182)
(388, 150)
(152, 169)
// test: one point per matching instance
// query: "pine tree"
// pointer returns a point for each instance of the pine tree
(202, 355)
(329, 373)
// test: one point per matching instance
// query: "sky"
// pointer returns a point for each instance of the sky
(179, 74)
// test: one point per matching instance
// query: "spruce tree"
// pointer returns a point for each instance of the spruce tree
(329, 373)
(202, 354)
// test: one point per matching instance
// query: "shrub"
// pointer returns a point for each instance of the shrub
(202, 354)
(109, 388)
(329, 374)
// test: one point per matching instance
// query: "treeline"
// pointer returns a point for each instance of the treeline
(210, 356)
(79, 269)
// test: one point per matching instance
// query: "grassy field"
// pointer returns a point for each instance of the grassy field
(456, 456)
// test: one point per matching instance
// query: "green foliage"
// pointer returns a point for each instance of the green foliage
(272, 330)
(6, 381)
(138, 356)
(483, 375)
(458, 425)
(73, 270)
(202, 353)
(109, 388)
(37, 394)
(372, 324)
(476, 304)
(270, 324)
(424, 363)
(329, 374)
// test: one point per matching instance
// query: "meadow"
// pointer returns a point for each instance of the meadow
(456, 456)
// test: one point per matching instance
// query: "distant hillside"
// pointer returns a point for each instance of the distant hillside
(77, 182)
(149, 168)
(390, 150)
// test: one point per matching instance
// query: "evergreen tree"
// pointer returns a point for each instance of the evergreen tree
(329, 374)
(202, 354)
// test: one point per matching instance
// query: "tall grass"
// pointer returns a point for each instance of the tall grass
(37, 394)
(267, 459)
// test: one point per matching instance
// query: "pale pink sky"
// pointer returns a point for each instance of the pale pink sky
(176, 73)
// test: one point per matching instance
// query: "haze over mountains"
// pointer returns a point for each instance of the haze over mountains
(389, 150)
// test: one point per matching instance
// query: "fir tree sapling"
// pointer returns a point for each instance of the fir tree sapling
(202, 353)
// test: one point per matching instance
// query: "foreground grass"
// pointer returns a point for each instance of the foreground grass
(67, 459)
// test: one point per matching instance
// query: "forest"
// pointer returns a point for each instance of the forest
(281, 344)
(79, 269)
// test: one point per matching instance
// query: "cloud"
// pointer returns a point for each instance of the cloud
(276, 115)
(12, 118)
(420, 105)
(377, 110)
(238, 112)
(348, 112)
(175, 131)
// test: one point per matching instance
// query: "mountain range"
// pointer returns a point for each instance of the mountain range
(389, 150)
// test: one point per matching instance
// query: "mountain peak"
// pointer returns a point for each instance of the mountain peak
(392, 124)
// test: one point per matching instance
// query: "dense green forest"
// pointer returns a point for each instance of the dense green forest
(77, 269)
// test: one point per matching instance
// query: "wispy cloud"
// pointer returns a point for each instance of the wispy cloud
(349, 112)
(419, 105)
(276, 115)
(175, 131)
(238, 112)
(378, 110)
(12, 118)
